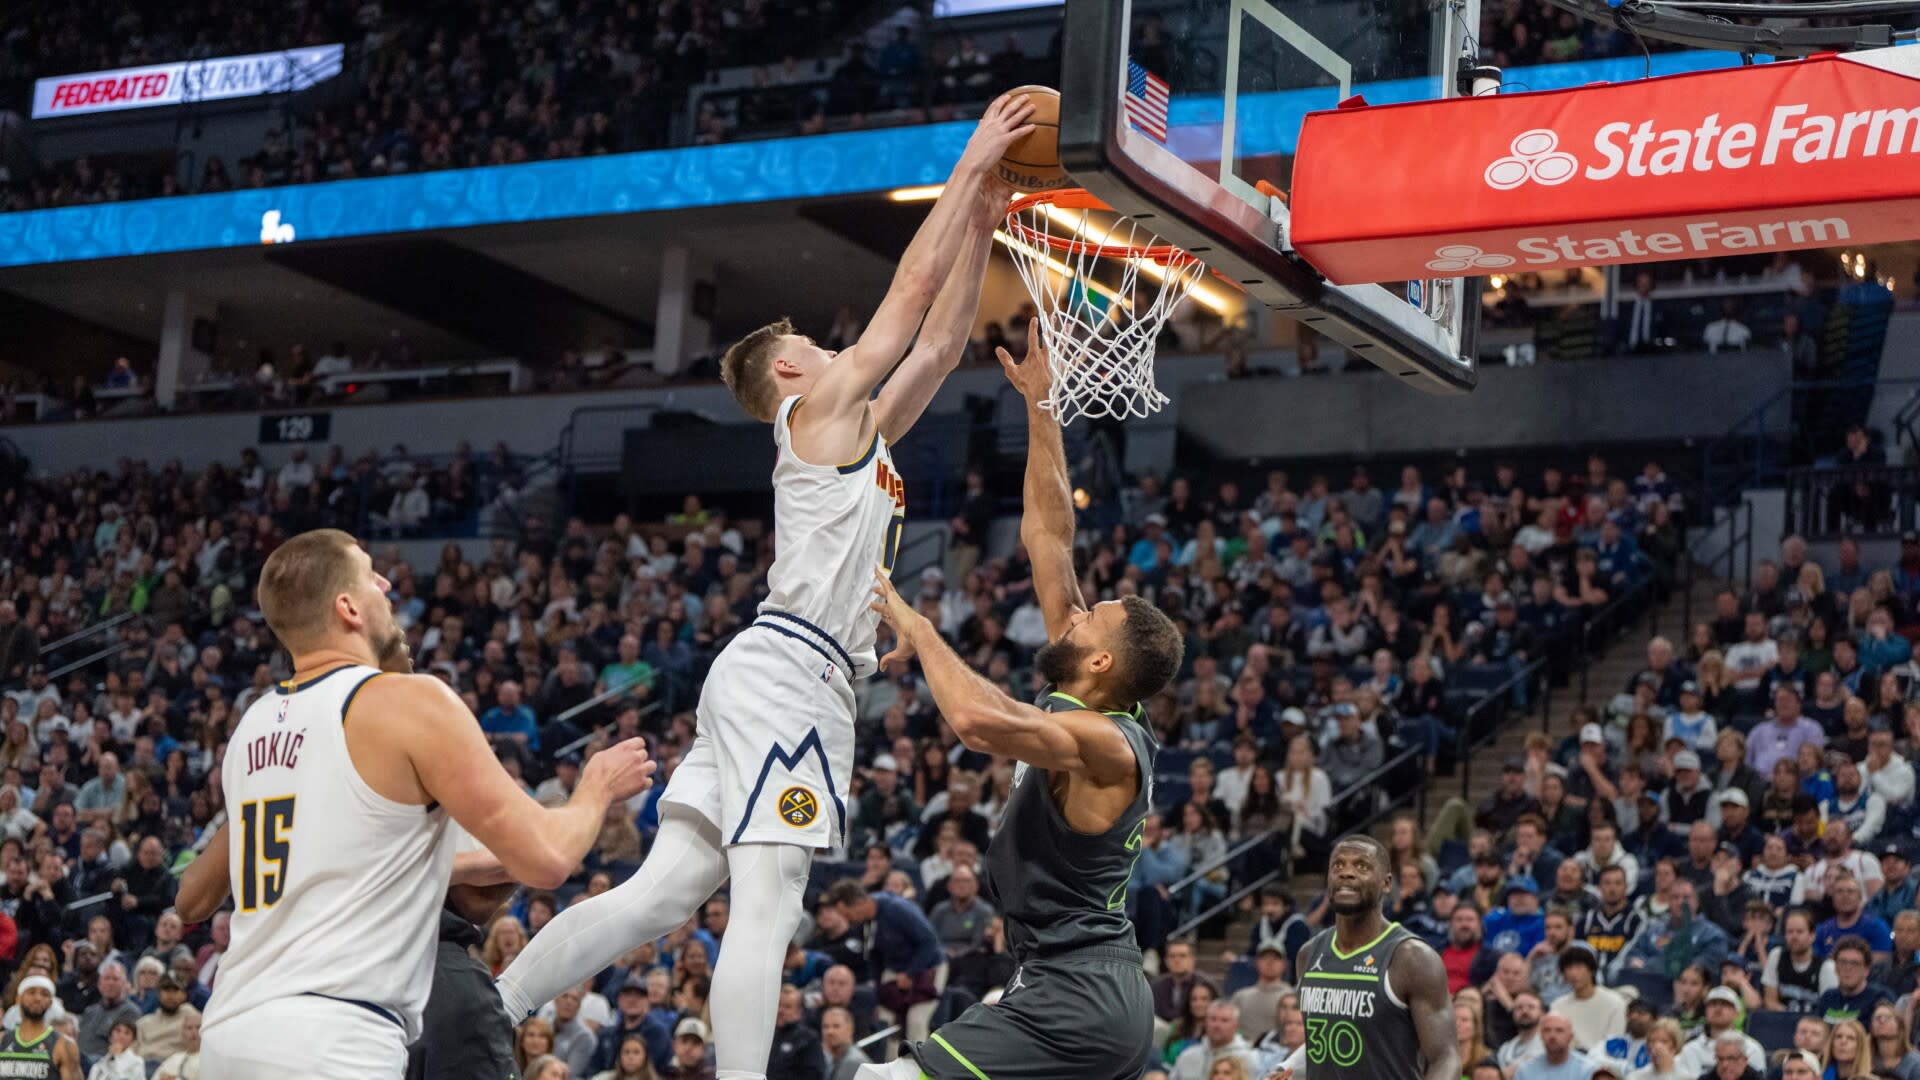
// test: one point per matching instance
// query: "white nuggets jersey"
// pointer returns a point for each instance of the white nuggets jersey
(833, 525)
(337, 889)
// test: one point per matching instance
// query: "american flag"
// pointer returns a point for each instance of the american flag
(1146, 101)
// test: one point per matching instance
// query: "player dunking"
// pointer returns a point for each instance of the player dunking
(765, 782)
(1078, 1004)
(341, 788)
(1373, 995)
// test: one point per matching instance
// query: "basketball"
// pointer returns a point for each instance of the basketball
(1033, 163)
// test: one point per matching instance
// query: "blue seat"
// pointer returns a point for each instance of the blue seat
(1650, 986)
(1240, 975)
(1169, 793)
(1772, 1029)
(1222, 758)
(1483, 678)
(1174, 761)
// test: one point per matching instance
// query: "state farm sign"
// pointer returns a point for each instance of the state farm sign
(186, 81)
(1809, 153)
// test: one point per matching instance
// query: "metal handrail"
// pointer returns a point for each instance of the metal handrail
(1363, 825)
(1753, 426)
(1603, 618)
(878, 1037)
(1339, 799)
(1468, 743)
(87, 632)
(1903, 421)
(114, 649)
(646, 710)
(1812, 510)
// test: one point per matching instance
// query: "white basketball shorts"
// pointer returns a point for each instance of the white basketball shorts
(303, 1038)
(773, 750)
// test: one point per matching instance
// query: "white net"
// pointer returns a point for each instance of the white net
(1102, 287)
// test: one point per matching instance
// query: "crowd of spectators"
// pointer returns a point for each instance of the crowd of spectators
(1712, 878)
(108, 769)
(1324, 630)
(450, 85)
(1321, 636)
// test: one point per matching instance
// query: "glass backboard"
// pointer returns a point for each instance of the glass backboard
(1186, 112)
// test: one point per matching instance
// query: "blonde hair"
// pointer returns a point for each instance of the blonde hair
(299, 581)
(1669, 1027)
(494, 952)
(533, 1025)
(747, 369)
(1862, 1064)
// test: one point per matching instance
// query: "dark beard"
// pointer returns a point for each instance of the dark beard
(29, 1014)
(1059, 661)
(1358, 907)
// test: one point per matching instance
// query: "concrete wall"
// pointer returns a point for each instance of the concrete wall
(1900, 361)
(529, 423)
(1636, 398)
(1355, 413)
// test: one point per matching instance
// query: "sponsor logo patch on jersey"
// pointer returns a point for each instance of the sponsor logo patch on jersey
(798, 807)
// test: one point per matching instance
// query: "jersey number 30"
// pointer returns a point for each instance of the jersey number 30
(263, 851)
(1335, 1040)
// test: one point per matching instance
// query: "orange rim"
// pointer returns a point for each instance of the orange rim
(1082, 199)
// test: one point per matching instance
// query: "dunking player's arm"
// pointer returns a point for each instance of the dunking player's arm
(833, 424)
(1420, 979)
(944, 336)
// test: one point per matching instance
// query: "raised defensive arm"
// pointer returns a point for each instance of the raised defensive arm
(1046, 518)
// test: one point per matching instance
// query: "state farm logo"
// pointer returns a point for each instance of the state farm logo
(1459, 258)
(1537, 157)
(1789, 134)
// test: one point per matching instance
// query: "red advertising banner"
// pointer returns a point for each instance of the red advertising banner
(1818, 152)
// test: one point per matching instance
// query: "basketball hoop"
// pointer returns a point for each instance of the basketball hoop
(1099, 334)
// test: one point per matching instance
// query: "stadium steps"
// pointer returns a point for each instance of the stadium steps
(1607, 675)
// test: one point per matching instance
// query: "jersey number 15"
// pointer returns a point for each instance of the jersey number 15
(264, 824)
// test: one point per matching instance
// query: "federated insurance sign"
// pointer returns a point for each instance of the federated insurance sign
(1810, 153)
(184, 82)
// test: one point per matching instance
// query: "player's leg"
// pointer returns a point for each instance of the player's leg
(769, 880)
(682, 871)
(462, 1034)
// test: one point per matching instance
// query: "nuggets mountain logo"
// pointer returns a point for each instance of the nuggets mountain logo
(798, 807)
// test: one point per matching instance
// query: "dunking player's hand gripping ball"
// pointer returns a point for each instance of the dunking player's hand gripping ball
(1032, 163)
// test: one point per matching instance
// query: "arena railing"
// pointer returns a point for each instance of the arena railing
(1474, 734)
(602, 698)
(1825, 502)
(1363, 786)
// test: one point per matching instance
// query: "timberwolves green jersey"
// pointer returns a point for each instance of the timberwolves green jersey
(27, 1060)
(1353, 1019)
(1058, 888)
